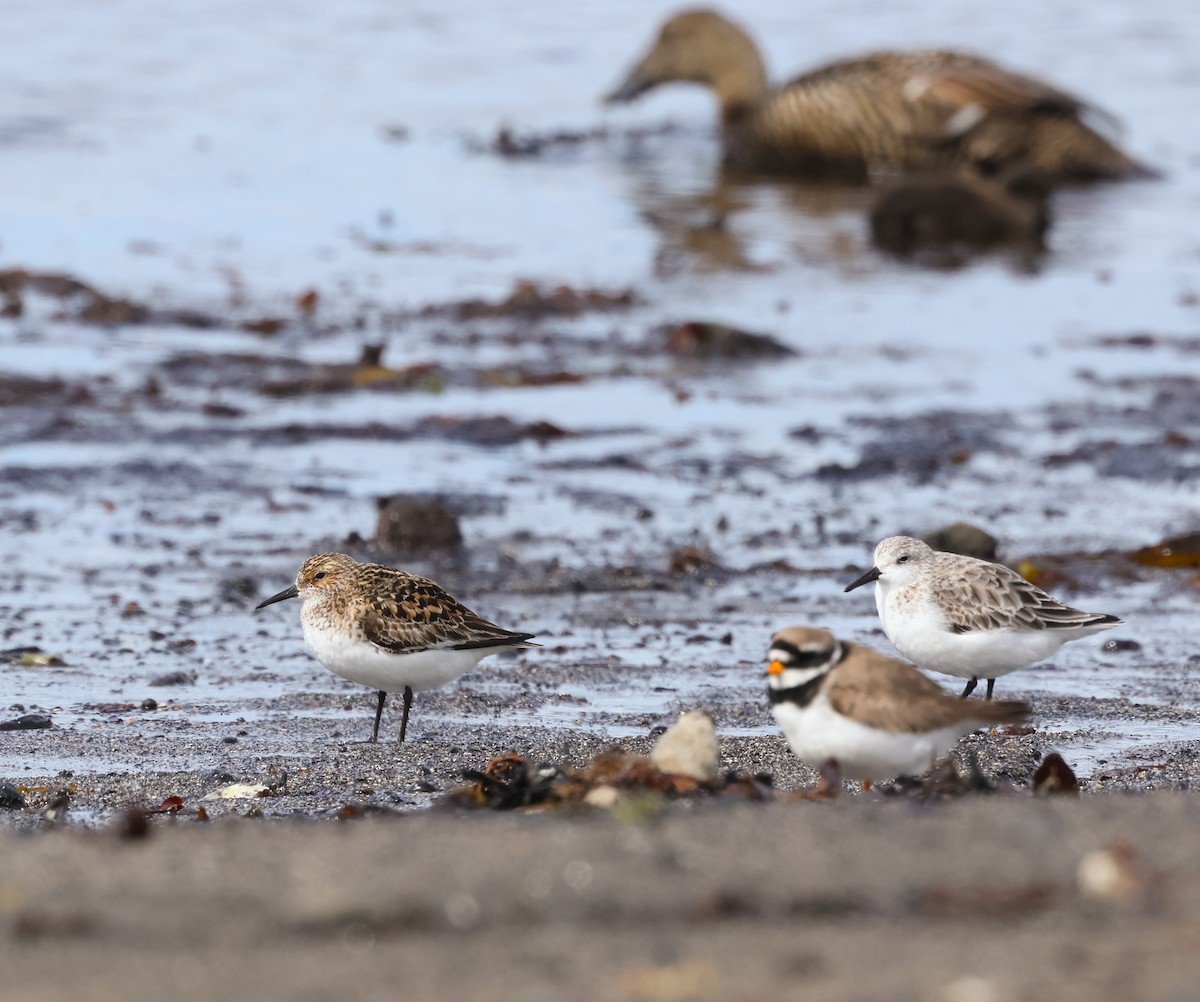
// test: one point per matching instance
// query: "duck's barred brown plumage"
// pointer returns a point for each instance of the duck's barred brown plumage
(887, 110)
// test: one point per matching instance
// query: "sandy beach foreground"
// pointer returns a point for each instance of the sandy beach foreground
(984, 898)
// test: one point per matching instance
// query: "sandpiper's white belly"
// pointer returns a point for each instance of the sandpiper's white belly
(816, 733)
(363, 662)
(921, 633)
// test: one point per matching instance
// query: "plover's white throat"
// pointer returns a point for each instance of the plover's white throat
(874, 716)
(389, 629)
(968, 617)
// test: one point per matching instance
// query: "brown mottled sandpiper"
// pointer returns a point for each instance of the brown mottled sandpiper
(389, 629)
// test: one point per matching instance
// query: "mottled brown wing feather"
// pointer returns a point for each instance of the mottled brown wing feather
(893, 696)
(414, 613)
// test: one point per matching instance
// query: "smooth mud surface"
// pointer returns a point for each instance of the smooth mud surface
(1065, 900)
(260, 271)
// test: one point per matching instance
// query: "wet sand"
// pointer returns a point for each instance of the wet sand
(983, 898)
(332, 886)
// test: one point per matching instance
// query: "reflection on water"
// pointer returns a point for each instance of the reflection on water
(704, 228)
(264, 150)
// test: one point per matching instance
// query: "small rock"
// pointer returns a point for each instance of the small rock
(11, 797)
(27, 722)
(1054, 776)
(216, 409)
(40, 659)
(132, 824)
(529, 301)
(963, 538)
(686, 979)
(307, 301)
(971, 988)
(487, 431)
(264, 325)
(698, 339)
(413, 525)
(56, 810)
(240, 791)
(689, 747)
(175, 678)
(602, 796)
(688, 560)
(15, 655)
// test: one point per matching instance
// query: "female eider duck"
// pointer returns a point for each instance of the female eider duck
(885, 111)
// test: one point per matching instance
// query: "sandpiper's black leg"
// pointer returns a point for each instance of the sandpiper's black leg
(378, 714)
(970, 687)
(991, 683)
(407, 706)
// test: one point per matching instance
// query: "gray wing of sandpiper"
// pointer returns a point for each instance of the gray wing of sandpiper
(977, 595)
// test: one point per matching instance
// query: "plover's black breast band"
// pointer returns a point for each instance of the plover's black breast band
(801, 695)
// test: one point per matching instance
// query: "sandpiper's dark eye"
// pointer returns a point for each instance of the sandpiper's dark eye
(903, 559)
(321, 574)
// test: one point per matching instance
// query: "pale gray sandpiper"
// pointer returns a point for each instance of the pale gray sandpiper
(968, 617)
(875, 717)
(389, 629)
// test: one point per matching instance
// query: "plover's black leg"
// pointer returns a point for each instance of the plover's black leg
(971, 687)
(378, 714)
(991, 683)
(408, 697)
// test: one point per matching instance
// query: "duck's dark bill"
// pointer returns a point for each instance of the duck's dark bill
(286, 593)
(632, 88)
(871, 575)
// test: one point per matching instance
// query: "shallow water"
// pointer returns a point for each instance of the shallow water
(233, 162)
